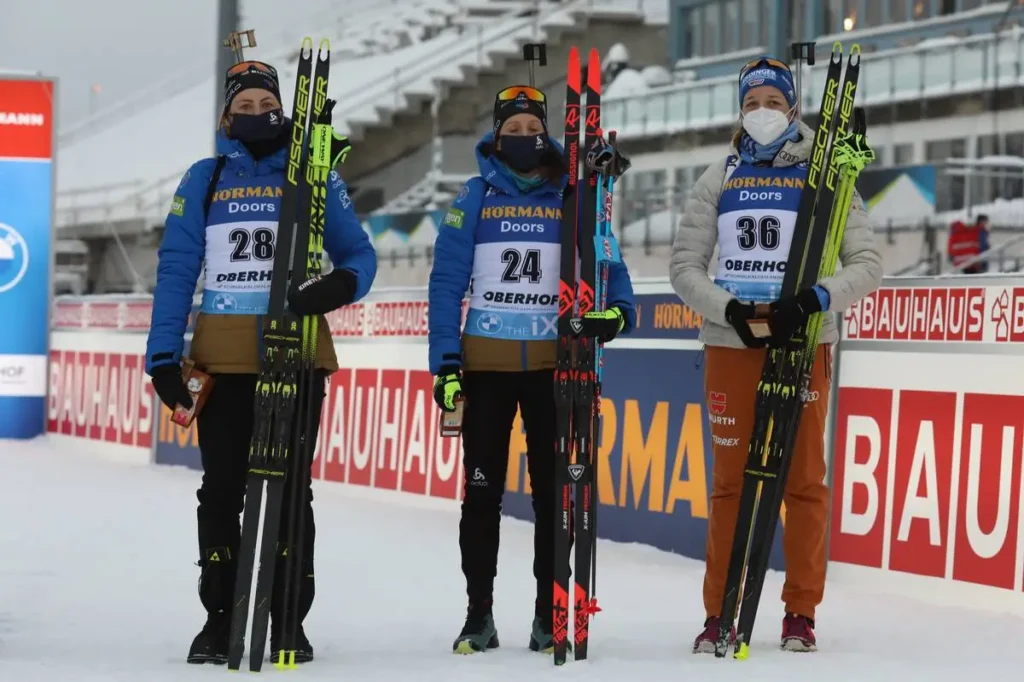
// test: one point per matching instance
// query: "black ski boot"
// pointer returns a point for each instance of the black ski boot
(303, 649)
(279, 638)
(541, 635)
(479, 633)
(216, 584)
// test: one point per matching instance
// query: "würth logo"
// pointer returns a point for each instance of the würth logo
(10, 118)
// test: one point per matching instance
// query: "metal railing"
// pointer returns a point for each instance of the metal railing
(973, 64)
(151, 201)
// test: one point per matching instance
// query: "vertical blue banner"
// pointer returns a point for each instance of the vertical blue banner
(26, 228)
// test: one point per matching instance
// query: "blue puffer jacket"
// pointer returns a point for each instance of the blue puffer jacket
(235, 244)
(483, 220)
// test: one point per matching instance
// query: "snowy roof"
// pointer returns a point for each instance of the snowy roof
(129, 169)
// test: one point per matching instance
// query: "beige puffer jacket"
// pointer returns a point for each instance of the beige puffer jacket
(696, 244)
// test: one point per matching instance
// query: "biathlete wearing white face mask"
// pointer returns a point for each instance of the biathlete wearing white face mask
(745, 208)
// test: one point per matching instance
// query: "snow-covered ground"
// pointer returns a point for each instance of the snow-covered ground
(97, 583)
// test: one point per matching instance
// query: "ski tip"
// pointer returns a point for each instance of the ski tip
(572, 77)
(594, 71)
(837, 50)
(324, 49)
(855, 54)
(307, 47)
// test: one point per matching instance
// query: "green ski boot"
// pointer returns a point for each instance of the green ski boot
(541, 638)
(479, 633)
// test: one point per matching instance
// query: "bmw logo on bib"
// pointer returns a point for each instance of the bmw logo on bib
(489, 323)
(13, 257)
(224, 302)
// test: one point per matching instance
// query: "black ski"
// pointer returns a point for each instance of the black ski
(778, 397)
(584, 401)
(796, 366)
(276, 404)
(564, 370)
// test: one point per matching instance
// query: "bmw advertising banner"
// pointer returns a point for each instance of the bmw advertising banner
(26, 226)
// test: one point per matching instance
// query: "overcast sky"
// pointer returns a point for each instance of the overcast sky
(126, 45)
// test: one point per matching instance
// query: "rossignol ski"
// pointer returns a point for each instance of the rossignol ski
(273, 456)
(838, 155)
(564, 379)
(586, 230)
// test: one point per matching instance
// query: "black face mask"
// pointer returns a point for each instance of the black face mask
(524, 153)
(257, 127)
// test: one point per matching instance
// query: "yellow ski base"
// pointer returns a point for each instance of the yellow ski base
(743, 653)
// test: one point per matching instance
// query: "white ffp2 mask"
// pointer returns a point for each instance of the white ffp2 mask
(765, 125)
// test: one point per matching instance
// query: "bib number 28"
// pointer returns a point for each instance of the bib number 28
(246, 245)
(520, 264)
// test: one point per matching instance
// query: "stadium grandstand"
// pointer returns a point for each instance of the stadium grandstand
(941, 80)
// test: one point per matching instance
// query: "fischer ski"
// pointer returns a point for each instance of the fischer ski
(837, 157)
(273, 456)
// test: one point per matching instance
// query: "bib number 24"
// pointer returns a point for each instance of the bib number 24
(520, 264)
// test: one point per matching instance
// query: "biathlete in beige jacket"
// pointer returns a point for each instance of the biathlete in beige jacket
(746, 206)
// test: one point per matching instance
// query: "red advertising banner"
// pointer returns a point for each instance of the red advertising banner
(26, 119)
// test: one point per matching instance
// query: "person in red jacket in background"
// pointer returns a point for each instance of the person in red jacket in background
(966, 242)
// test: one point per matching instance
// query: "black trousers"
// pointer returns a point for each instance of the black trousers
(491, 402)
(225, 429)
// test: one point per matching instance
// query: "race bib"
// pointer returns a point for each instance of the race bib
(239, 264)
(514, 290)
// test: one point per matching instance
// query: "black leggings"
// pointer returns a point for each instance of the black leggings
(491, 402)
(225, 429)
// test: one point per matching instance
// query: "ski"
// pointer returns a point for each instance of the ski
(589, 291)
(787, 369)
(564, 379)
(308, 261)
(276, 404)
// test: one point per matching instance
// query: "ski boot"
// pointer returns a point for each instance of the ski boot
(479, 633)
(541, 638)
(303, 649)
(706, 640)
(211, 644)
(215, 590)
(798, 633)
(278, 613)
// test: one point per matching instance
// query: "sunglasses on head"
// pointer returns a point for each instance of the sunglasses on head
(243, 67)
(764, 61)
(526, 91)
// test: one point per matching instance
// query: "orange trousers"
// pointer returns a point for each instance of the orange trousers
(730, 382)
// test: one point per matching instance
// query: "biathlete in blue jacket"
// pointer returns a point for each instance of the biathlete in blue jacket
(223, 223)
(501, 241)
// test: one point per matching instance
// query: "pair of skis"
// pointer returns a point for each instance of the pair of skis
(839, 153)
(283, 434)
(586, 227)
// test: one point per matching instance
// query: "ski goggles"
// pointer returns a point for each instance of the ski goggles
(252, 66)
(764, 61)
(530, 93)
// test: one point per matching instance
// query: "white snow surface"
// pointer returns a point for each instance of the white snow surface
(97, 583)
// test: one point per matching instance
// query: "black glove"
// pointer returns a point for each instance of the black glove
(604, 325)
(447, 387)
(323, 293)
(339, 144)
(738, 315)
(788, 313)
(170, 387)
(604, 157)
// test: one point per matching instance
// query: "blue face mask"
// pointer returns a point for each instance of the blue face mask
(523, 153)
(256, 127)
